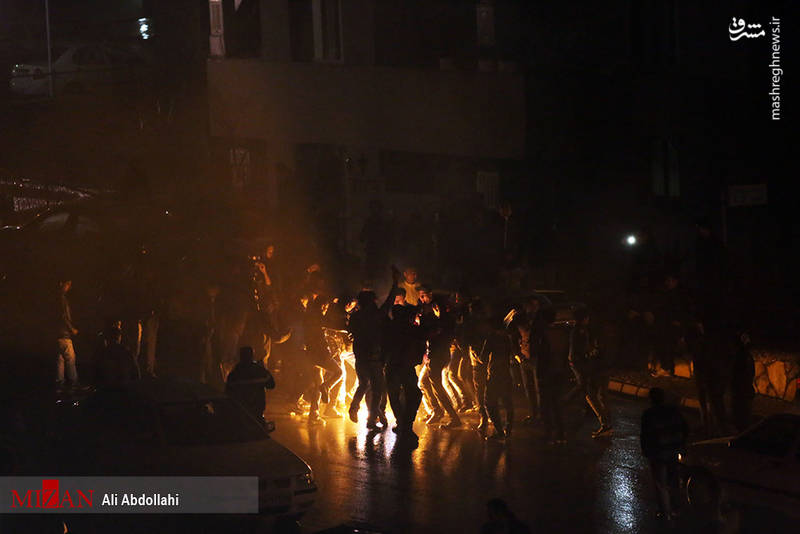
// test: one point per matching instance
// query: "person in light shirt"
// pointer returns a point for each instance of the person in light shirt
(412, 286)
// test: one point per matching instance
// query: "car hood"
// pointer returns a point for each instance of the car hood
(265, 458)
(712, 442)
(710, 454)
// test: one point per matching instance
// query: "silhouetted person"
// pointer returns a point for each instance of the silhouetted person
(210, 369)
(317, 351)
(586, 361)
(502, 520)
(710, 375)
(366, 326)
(663, 436)
(248, 382)
(116, 363)
(672, 312)
(454, 381)
(552, 375)
(65, 330)
(477, 330)
(521, 329)
(403, 347)
(741, 386)
(498, 378)
(440, 331)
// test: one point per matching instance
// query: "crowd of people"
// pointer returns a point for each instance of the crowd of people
(426, 354)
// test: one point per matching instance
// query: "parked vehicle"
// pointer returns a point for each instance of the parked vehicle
(159, 427)
(759, 467)
(78, 68)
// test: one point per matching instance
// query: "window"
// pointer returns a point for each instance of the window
(654, 33)
(240, 167)
(486, 184)
(327, 18)
(773, 437)
(665, 172)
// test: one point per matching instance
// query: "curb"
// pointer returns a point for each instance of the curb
(634, 390)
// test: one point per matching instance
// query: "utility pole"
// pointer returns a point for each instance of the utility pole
(49, 48)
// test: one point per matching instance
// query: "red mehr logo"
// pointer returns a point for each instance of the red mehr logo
(50, 497)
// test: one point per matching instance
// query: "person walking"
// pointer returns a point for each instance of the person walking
(440, 332)
(366, 326)
(741, 385)
(115, 363)
(552, 374)
(65, 331)
(586, 361)
(403, 347)
(663, 437)
(499, 384)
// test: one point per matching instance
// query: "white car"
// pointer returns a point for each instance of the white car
(76, 68)
(169, 427)
(759, 467)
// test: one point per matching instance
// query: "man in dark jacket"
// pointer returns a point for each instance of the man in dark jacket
(586, 361)
(403, 347)
(116, 363)
(552, 376)
(366, 326)
(499, 384)
(248, 382)
(663, 437)
(741, 386)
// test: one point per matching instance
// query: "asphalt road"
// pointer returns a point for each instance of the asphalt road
(587, 485)
(370, 479)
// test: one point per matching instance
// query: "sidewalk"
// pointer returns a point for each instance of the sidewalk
(683, 390)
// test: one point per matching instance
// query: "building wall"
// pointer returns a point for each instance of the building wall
(453, 113)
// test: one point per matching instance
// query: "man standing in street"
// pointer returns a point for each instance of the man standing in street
(439, 329)
(403, 347)
(586, 360)
(499, 385)
(65, 330)
(366, 326)
(664, 433)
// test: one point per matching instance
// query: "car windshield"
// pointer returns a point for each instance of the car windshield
(208, 422)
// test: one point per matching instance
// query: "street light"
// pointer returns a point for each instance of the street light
(631, 240)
